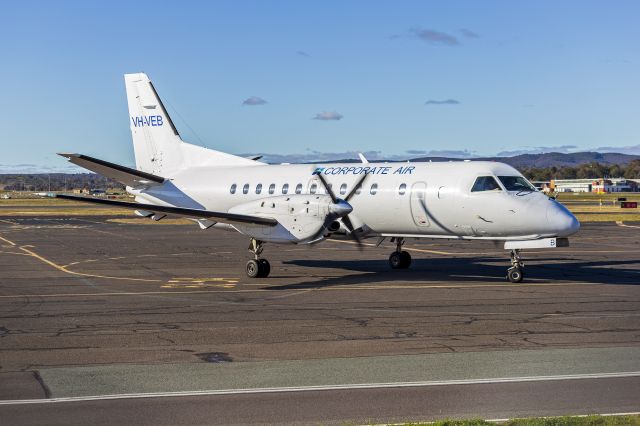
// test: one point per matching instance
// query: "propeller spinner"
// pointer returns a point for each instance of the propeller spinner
(342, 208)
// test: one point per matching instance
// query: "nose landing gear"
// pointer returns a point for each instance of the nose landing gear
(399, 259)
(515, 274)
(257, 267)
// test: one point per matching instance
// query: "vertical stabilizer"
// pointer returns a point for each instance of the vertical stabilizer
(156, 141)
(157, 145)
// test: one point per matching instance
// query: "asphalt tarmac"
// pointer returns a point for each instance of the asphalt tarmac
(165, 315)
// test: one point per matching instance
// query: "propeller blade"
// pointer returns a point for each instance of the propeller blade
(355, 187)
(327, 188)
(349, 225)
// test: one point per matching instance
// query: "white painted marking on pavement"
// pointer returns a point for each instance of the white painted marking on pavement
(324, 388)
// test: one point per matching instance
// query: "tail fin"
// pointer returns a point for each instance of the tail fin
(157, 144)
(156, 141)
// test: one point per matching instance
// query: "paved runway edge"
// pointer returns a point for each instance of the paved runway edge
(468, 367)
(326, 388)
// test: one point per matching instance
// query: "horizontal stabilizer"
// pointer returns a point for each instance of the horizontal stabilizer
(125, 175)
(179, 211)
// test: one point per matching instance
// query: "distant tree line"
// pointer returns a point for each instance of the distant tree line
(584, 171)
(56, 182)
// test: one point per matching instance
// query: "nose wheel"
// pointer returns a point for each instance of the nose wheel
(399, 259)
(515, 274)
(257, 267)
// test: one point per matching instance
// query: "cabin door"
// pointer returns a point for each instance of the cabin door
(419, 204)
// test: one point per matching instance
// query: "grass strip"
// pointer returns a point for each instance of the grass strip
(629, 420)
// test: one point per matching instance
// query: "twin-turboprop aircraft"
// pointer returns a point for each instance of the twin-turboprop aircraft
(305, 204)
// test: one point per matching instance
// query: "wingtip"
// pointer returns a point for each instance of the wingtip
(66, 155)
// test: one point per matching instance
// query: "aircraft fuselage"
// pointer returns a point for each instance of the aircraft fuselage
(433, 199)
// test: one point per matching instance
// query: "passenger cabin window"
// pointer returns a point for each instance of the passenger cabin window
(343, 189)
(233, 188)
(485, 183)
(313, 188)
(258, 188)
(402, 189)
(374, 189)
(359, 189)
(285, 188)
(299, 188)
(245, 188)
(516, 183)
(272, 188)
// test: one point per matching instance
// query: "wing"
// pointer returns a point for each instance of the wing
(180, 211)
(122, 174)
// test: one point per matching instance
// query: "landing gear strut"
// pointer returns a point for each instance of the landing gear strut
(257, 267)
(514, 274)
(399, 259)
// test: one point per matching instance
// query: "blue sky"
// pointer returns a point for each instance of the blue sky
(322, 79)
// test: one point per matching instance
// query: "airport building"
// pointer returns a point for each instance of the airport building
(599, 186)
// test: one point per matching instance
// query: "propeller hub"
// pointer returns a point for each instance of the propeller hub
(340, 208)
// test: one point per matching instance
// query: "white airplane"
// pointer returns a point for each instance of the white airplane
(305, 204)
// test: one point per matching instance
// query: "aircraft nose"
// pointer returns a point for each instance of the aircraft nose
(561, 220)
(340, 208)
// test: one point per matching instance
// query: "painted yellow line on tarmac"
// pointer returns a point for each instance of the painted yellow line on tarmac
(13, 252)
(447, 253)
(498, 253)
(11, 243)
(64, 268)
(620, 223)
(82, 274)
(405, 247)
(123, 293)
(262, 290)
(384, 286)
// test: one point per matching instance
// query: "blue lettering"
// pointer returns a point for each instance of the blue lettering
(142, 120)
(399, 171)
(385, 170)
(409, 170)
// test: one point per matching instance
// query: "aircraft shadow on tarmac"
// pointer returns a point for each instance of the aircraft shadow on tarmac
(468, 270)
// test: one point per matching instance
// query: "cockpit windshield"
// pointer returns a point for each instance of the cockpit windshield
(485, 183)
(516, 183)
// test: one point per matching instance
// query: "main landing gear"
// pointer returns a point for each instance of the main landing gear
(399, 259)
(257, 267)
(514, 274)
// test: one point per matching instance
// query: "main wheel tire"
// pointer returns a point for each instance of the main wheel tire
(515, 275)
(265, 268)
(406, 259)
(395, 260)
(253, 269)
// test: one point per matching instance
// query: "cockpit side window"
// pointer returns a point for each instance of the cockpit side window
(485, 183)
(516, 183)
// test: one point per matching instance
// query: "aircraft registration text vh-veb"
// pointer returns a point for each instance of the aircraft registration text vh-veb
(307, 203)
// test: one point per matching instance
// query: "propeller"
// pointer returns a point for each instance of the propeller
(339, 206)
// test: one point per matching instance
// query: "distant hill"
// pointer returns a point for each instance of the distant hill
(549, 159)
(535, 165)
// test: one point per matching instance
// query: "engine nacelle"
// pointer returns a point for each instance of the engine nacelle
(300, 217)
